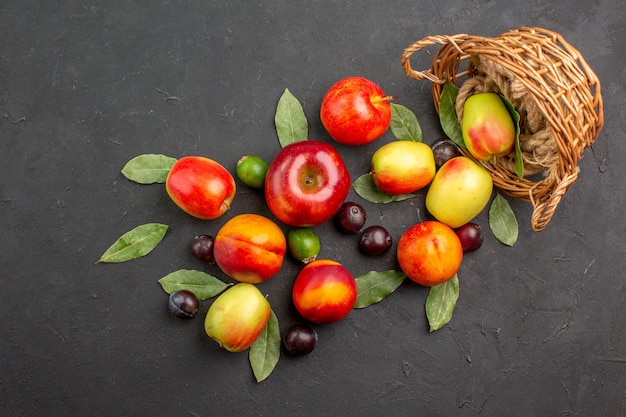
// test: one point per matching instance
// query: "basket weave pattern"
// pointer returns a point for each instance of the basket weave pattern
(552, 88)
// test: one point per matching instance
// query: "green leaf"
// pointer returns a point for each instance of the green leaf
(290, 120)
(404, 124)
(519, 162)
(447, 114)
(365, 187)
(440, 303)
(502, 221)
(135, 243)
(265, 351)
(203, 285)
(148, 168)
(373, 286)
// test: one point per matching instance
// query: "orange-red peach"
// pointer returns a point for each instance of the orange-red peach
(250, 248)
(429, 253)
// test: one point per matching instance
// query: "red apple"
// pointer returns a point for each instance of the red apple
(355, 111)
(306, 183)
(201, 187)
(324, 291)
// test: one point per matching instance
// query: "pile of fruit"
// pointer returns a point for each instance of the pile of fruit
(307, 184)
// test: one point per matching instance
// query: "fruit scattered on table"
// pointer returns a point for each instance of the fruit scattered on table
(201, 187)
(303, 244)
(306, 183)
(184, 304)
(459, 192)
(402, 167)
(430, 253)
(351, 217)
(444, 150)
(202, 247)
(299, 340)
(251, 170)
(355, 111)
(375, 240)
(471, 237)
(324, 291)
(237, 317)
(250, 248)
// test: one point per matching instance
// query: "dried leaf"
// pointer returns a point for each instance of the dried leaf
(290, 120)
(440, 303)
(374, 286)
(148, 168)
(203, 285)
(502, 221)
(447, 114)
(365, 187)
(135, 243)
(265, 351)
(404, 124)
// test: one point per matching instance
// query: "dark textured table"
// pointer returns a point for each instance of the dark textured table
(538, 329)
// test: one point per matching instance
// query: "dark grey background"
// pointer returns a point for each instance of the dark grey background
(86, 85)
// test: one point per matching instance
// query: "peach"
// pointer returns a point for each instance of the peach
(324, 291)
(429, 253)
(250, 248)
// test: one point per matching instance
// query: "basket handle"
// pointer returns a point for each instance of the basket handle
(423, 43)
(544, 208)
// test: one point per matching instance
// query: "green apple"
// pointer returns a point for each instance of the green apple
(488, 128)
(459, 192)
(237, 317)
(402, 167)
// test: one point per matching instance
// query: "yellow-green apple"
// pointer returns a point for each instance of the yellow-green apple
(429, 253)
(237, 317)
(459, 192)
(306, 183)
(201, 187)
(355, 111)
(402, 167)
(487, 127)
(324, 291)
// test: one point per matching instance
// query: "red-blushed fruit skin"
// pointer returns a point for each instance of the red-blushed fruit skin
(306, 183)
(488, 129)
(429, 253)
(250, 248)
(402, 167)
(237, 317)
(324, 292)
(201, 187)
(355, 111)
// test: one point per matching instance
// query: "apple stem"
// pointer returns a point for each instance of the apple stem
(379, 99)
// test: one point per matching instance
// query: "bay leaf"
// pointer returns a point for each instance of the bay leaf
(374, 286)
(135, 243)
(290, 120)
(364, 186)
(502, 221)
(404, 124)
(264, 353)
(447, 114)
(440, 303)
(148, 168)
(519, 162)
(203, 285)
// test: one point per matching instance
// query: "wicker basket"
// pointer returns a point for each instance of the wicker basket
(551, 86)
